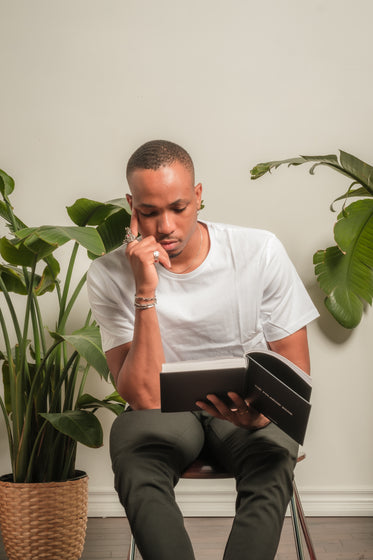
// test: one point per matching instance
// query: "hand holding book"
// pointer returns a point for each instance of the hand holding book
(241, 414)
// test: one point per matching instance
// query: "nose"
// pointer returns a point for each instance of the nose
(165, 224)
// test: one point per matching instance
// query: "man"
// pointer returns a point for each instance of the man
(189, 289)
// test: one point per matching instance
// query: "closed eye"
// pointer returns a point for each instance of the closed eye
(152, 213)
(147, 214)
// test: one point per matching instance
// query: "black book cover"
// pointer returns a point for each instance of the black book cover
(272, 384)
(282, 396)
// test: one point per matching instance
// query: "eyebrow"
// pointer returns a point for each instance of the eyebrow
(175, 203)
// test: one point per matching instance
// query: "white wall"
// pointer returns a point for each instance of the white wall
(84, 82)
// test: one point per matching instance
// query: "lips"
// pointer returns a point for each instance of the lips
(169, 244)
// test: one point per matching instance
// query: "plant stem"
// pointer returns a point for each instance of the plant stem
(83, 382)
(11, 213)
(23, 445)
(30, 296)
(65, 316)
(28, 477)
(12, 393)
(71, 383)
(36, 334)
(13, 314)
(41, 326)
(69, 460)
(9, 432)
(68, 281)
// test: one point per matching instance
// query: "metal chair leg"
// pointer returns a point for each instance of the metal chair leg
(132, 549)
(296, 528)
(302, 519)
(299, 526)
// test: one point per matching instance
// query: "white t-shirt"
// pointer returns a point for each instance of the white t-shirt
(245, 293)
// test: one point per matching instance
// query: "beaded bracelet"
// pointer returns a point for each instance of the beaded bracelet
(149, 302)
(140, 298)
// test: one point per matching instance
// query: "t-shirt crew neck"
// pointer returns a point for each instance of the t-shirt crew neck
(162, 271)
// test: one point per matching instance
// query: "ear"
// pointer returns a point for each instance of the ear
(129, 200)
(198, 193)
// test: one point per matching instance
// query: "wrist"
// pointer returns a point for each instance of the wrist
(145, 293)
(144, 302)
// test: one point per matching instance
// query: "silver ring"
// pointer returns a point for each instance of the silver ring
(156, 256)
(129, 237)
(240, 412)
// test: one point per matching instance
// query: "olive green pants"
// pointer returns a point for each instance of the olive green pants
(149, 452)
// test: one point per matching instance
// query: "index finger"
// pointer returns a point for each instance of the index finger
(134, 224)
(210, 408)
(237, 400)
(222, 406)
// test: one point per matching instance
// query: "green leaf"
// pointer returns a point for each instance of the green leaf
(6, 214)
(345, 273)
(37, 248)
(345, 307)
(360, 192)
(349, 165)
(111, 219)
(13, 279)
(87, 342)
(354, 230)
(6, 184)
(90, 212)
(80, 425)
(87, 401)
(330, 160)
(331, 269)
(45, 239)
(261, 168)
(112, 231)
(115, 396)
(354, 235)
(16, 255)
(46, 282)
(358, 169)
(121, 203)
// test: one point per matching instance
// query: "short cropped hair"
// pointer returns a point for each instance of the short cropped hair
(159, 153)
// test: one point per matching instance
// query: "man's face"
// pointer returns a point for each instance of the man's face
(166, 202)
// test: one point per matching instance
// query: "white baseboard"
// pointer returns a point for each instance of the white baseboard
(218, 501)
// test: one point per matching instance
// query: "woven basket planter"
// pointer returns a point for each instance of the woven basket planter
(44, 521)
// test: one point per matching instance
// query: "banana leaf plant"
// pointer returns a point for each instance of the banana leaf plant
(44, 370)
(345, 270)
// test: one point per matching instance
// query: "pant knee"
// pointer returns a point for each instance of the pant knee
(148, 447)
(149, 434)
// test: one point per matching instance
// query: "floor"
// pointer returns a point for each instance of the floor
(334, 538)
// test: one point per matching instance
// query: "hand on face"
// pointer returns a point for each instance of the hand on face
(240, 414)
(140, 254)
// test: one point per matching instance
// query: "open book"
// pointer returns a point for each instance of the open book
(272, 384)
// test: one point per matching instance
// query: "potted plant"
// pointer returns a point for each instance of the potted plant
(45, 407)
(345, 270)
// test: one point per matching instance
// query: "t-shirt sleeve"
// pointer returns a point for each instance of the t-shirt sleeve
(286, 305)
(110, 308)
